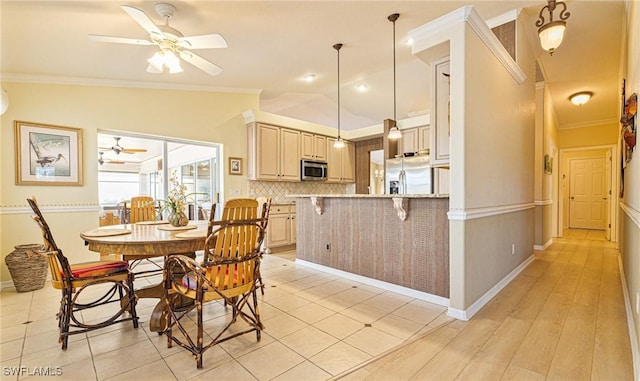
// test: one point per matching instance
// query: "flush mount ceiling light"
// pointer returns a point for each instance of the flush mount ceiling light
(581, 98)
(339, 143)
(394, 132)
(552, 33)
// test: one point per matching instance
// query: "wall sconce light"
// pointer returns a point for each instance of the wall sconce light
(4, 101)
(581, 98)
(552, 33)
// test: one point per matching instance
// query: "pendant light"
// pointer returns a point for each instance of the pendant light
(552, 33)
(394, 132)
(339, 143)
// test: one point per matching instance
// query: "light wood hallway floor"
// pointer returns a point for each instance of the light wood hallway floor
(562, 318)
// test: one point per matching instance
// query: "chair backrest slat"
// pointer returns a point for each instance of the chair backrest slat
(142, 208)
(58, 263)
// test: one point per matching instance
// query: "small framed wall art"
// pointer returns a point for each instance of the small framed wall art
(47, 154)
(235, 166)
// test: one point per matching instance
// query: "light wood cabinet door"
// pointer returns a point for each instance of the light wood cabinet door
(409, 140)
(348, 163)
(293, 229)
(278, 230)
(320, 147)
(441, 181)
(424, 138)
(307, 145)
(440, 119)
(313, 147)
(268, 155)
(341, 162)
(334, 162)
(289, 155)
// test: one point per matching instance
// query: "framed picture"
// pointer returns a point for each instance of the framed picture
(47, 154)
(235, 166)
(548, 164)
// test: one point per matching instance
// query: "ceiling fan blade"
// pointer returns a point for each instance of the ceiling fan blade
(143, 20)
(119, 40)
(205, 41)
(200, 63)
(133, 150)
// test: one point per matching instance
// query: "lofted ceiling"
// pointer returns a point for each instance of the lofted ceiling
(272, 45)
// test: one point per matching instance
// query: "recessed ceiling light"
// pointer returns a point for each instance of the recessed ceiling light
(309, 77)
(581, 98)
(362, 87)
(408, 41)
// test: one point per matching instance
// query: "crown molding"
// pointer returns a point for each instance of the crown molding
(79, 81)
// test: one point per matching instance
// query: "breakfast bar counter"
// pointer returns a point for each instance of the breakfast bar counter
(400, 239)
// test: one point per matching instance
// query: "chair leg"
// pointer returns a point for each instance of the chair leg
(200, 335)
(66, 318)
(133, 300)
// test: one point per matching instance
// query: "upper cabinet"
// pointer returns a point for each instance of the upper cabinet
(440, 121)
(415, 139)
(313, 147)
(341, 162)
(274, 153)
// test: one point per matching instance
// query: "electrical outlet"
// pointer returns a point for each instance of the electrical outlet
(328, 248)
(513, 249)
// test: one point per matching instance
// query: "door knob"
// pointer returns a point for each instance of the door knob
(572, 197)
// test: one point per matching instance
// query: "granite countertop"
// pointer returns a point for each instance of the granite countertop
(369, 195)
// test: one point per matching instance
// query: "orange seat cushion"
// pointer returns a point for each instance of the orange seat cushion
(98, 268)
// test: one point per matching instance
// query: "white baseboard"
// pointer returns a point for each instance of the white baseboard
(493, 291)
(435, 299)
(543, 247)
(633, 332)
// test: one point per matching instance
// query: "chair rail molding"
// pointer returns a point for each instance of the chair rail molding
(59, 208)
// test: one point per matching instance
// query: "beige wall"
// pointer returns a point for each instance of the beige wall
(193, 115)
(588, 136)
(629, 242)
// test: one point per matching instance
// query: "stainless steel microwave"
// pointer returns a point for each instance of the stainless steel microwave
(311, 170)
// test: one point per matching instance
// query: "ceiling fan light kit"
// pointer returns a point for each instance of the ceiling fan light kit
(172, 44)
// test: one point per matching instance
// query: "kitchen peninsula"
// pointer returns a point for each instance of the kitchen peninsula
(400, 239)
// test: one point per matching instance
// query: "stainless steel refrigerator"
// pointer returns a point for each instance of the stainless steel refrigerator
(409, 175)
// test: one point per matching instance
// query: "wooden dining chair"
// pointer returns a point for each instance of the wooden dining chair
(229, 274)
(245, 209)
(73, 280)
(142, 208)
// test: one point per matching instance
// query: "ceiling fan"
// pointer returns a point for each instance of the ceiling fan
(102, 160)
(171, 42)
(117, 148)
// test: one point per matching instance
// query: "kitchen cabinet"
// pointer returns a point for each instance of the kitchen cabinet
(281, 229)
(441, 180)
(440, 120)
(313, 147)
(340, 162)
(273, 153)
(416, 139)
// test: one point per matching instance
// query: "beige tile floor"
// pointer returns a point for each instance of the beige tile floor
(317, 326)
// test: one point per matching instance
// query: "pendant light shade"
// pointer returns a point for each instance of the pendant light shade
(339, 143)
(552, 33)
(394, 132)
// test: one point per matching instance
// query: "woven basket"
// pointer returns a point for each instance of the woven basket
(28, 267)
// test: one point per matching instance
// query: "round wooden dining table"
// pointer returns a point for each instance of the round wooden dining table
(147, 240)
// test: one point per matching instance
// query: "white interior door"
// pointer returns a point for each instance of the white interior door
(588, 194)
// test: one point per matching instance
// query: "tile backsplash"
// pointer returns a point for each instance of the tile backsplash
(278, 190)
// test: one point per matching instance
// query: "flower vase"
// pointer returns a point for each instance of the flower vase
(178, 218)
